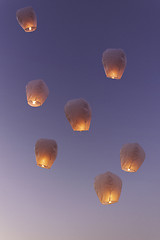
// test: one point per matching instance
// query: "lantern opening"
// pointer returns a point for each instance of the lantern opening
(109, 202)
(42, 166)
(126, 169)
(34, 103)
(113, 74)
(30, 29)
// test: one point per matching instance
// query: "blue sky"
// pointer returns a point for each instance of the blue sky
(66, 52)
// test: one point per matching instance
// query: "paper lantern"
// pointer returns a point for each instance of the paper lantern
(114, 62)
(46, 152)
(27, 19)
(37, 92)
(132, 156)
(78, 113)
(108, 188)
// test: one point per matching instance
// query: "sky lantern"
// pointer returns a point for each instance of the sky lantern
(132, 156)
(114, 63)
(46, 152)
(78, 113)
(108, 188)
(27, 19)
(37, 92)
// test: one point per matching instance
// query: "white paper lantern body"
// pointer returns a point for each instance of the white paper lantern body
(37, 92)
(114, 63)
(132, 156)
(78, 113)
(27, 19)
(108, 188)
(46, 152)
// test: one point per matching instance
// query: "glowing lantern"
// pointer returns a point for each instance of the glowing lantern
(46, 152)
(132, 156)
(37, 92)
(114, 62)
(108, 188)
(27, 19)
(78, 113)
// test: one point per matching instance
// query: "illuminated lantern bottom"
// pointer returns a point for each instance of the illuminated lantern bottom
(30, 28)
(34, 103)
(114, 74)
(80, 125)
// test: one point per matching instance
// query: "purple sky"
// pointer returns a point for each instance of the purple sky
(66, 52)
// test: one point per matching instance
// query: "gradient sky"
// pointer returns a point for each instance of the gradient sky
(66, 51)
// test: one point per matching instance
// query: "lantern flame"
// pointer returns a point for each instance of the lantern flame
(110, 200)
(129, 169)
(30, 28)
(34, 102)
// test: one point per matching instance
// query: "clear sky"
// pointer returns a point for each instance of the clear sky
(66, 52)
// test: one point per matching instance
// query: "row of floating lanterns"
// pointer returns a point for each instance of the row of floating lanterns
(107, 186)
(78, 112)
(132, 155)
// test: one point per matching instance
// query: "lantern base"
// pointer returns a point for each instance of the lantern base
(81, 127)
(109, 202)
(80, 130)
(43, 166)
(30, 29)
(128, 170)
(113, 77)
(34, 103)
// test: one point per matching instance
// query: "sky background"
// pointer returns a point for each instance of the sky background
(66, 52)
